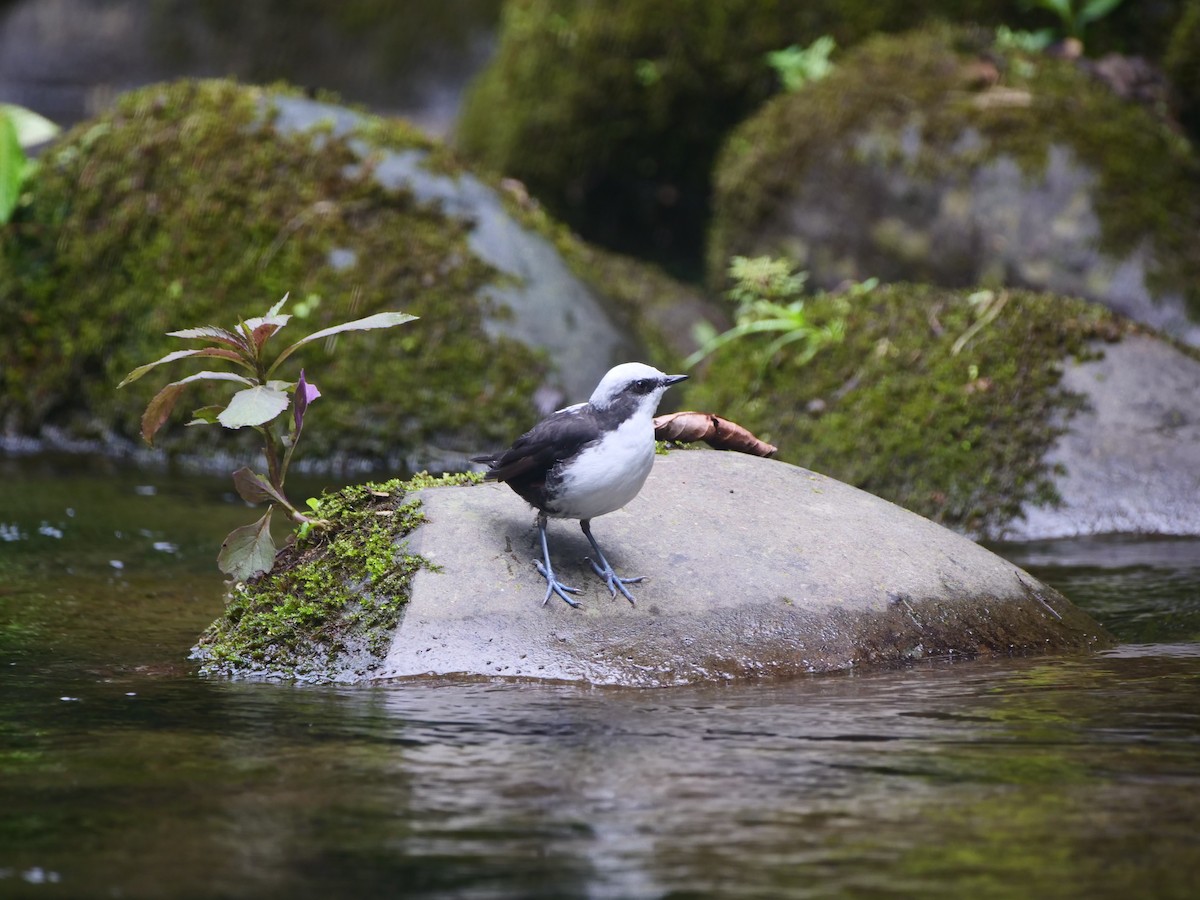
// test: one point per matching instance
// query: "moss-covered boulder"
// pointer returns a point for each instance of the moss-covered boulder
(612, 111)
(944, 402)
(201, 202)
(937, 156)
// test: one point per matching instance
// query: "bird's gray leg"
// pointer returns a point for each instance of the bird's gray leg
(553, 585)
(605, 571)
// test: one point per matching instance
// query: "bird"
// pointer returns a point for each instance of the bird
(585, 461)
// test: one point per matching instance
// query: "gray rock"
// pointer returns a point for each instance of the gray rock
(991, 224)
(1131, 458)
(755, 568)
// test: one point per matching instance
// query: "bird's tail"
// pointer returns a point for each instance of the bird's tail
(490, 460)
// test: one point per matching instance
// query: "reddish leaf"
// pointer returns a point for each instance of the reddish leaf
(182, 354)
(214, 334)
(253, 488)
(713, 430)
(163, 403)
(159, 410)
(262, 327)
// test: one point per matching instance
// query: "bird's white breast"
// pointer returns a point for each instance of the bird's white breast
(608, 474)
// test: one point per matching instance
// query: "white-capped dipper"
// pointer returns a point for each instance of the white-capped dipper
(587, 460)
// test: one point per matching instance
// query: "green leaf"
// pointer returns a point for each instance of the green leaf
(379, 320)
(1096, 9)
(254, 406)
(253, 488)
(31, 128)
(180, 354)
(249, 550)
(12, 167)
(205, 415)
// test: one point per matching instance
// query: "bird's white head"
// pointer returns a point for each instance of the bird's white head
(635, 387)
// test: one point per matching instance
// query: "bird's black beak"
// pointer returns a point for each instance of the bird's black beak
(674, 379)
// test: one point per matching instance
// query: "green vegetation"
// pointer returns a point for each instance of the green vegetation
(770, 299)
(942, 402)
(183, 200)
(1182, 65)
(259, 403)
(797, 66)
(336, 594)
(19, 128)
(1076, 15)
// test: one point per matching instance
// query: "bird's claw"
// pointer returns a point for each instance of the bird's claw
(613, 582)
(554, 586)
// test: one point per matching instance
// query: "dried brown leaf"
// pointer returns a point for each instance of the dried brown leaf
(717, 432)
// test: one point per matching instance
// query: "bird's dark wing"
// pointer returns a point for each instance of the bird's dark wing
(550, 441)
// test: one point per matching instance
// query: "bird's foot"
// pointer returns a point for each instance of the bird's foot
(612, 580)
(554, 586)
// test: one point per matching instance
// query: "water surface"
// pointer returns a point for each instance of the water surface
(124, 774)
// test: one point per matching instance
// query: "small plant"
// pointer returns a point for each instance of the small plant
(259, 403)
(770, 299)
(19, 128)
(797, 66)
(1075, 15)
(1024, 41)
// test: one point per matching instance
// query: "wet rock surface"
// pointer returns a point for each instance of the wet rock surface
(755, 568)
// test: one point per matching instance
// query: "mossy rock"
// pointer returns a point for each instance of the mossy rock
(198, 203)
(441, 582)
(1182, 65)
(943, 402)
(328, 609)
(937, 157)
(612, 112)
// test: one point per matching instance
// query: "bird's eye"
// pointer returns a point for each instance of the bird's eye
(644, 385)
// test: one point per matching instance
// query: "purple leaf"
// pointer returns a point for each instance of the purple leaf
(305, 394)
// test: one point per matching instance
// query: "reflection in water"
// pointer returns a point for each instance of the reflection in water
(121, 773)
(927, 780)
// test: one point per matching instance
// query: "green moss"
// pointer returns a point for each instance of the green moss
(1182, 65)
(919, 95)
(627, 101)
(185, 206)
(958, 437)
(335, 596)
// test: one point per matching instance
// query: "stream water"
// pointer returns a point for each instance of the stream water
(124, 774)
